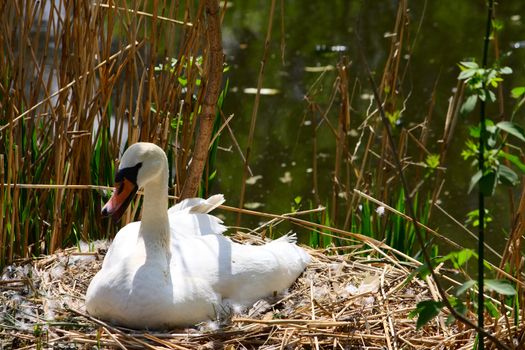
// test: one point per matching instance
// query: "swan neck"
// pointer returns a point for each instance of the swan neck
(155, 207)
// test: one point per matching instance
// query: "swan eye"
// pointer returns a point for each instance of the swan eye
(129, 173)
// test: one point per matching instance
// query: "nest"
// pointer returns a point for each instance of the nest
(355, 299)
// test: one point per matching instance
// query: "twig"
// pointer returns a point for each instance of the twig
(107, 326)
(114, 338)
(470, 233)
(141, 13)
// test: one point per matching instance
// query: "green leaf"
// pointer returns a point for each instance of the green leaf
(491, 142)
(459, 306)
(513, 159)
(176, 122)
(505, 70)
(432, 160)
(465, 286)
(491, 129)
(500, 287)
(422, 271)
(517, 92)
(426, 310)
(466, 74)
(488, 266)
(497, 25)
(507, 175)
(474, 180)
(492, 96)
(463, 256)
(469, 104)
(459, 258)
(488, 182)
(512, 129)
(393, 117)
(491, 308)
(492, 75)
(182, 81)
(468, 64)
(474, 131)
(482, 95)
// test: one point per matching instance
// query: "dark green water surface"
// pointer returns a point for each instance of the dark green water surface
(318, 33)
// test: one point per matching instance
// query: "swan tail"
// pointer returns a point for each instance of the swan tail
(291, 258)
(288, 238)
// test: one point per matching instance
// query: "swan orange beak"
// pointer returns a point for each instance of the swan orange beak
(118, 203)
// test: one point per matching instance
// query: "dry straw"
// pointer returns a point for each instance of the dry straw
(358, 299)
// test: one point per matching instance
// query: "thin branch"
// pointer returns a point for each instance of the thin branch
(146, 14)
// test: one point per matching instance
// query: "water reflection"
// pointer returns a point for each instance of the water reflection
(316, 35)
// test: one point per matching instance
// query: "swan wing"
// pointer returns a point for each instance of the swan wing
(190, 217)
(185, 223)
(198, 205)
(240, 273)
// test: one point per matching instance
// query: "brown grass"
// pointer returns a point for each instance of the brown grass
(357, 299)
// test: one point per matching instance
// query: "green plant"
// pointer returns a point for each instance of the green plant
(479, 80)
(473, 218)
(486, 154)
(426, 310)
(318, 239)
(494, 153)
(432, 161)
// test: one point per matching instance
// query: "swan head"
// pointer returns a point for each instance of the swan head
(140, 164)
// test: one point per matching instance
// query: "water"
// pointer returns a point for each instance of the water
(317, 34)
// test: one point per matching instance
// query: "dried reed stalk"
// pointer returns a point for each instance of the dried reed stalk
(211, 93)
(256, 106)
(343, 125)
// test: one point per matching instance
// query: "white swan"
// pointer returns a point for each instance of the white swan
(175, 268)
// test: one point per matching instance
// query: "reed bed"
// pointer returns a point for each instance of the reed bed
(358, 299)
(79, 82)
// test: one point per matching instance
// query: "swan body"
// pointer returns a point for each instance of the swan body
(175, 268)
